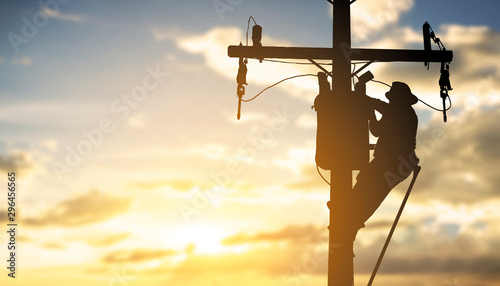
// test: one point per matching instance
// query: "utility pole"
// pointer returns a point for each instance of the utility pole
(341, 249)
(340, 256)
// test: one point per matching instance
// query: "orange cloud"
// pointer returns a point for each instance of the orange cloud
(90, 208)
(15, 162)
(107, 240)
(305, 233)
(54, 245)
(311, 179)
(137, 255)
(181, 185)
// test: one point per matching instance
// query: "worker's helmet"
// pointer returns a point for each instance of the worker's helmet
(400, 92)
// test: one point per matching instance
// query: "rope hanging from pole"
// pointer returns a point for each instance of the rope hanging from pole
(396, 220)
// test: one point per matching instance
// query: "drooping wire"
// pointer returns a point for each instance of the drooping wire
(428, 105)
(363, 62)
(381, 82)
(437, 109)
(295, 63)
(248, 26)
(317, 168)
(275, 84)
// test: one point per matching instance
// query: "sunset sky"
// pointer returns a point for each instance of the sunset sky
(119, 118)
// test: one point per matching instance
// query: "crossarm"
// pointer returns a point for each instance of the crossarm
(377, 55)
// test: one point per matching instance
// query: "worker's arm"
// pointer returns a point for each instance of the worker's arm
(377, 104)
(380, 106)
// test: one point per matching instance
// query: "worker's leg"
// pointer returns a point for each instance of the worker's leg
(373, 184)
(348, 215)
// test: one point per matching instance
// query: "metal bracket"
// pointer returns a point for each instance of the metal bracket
(361, 68)
(321, 68)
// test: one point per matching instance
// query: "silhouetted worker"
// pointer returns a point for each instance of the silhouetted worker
(394, 155)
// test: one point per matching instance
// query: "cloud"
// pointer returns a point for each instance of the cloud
(432, 246)
(302, 251)
(309, 179)
(4, 217)
(137, 255)
(474, 71)
(15, 161)
(213, 47)
(181, 185)
(369, 18)
(460, 158)
(296, 234)
(107, 240)
(382, 224)
(24, 61)
(257, 260)
(56, 14)
(86, 209)
(171, 34)
(138, 120)
(50, 145)
(53, 245)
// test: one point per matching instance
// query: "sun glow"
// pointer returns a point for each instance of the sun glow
(205, 238)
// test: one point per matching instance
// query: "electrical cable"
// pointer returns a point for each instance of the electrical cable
(317, 168)
(428, 105)
(275, 84)
(381, 82)
(363, 62)
(437, 109)
(295, 63)
(248, 26)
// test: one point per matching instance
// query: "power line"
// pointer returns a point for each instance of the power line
(428, 105)
(381, 82)
(295, 63)
(275, 84)
(248, 26)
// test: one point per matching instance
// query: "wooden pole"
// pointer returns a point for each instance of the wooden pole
(340, 255)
